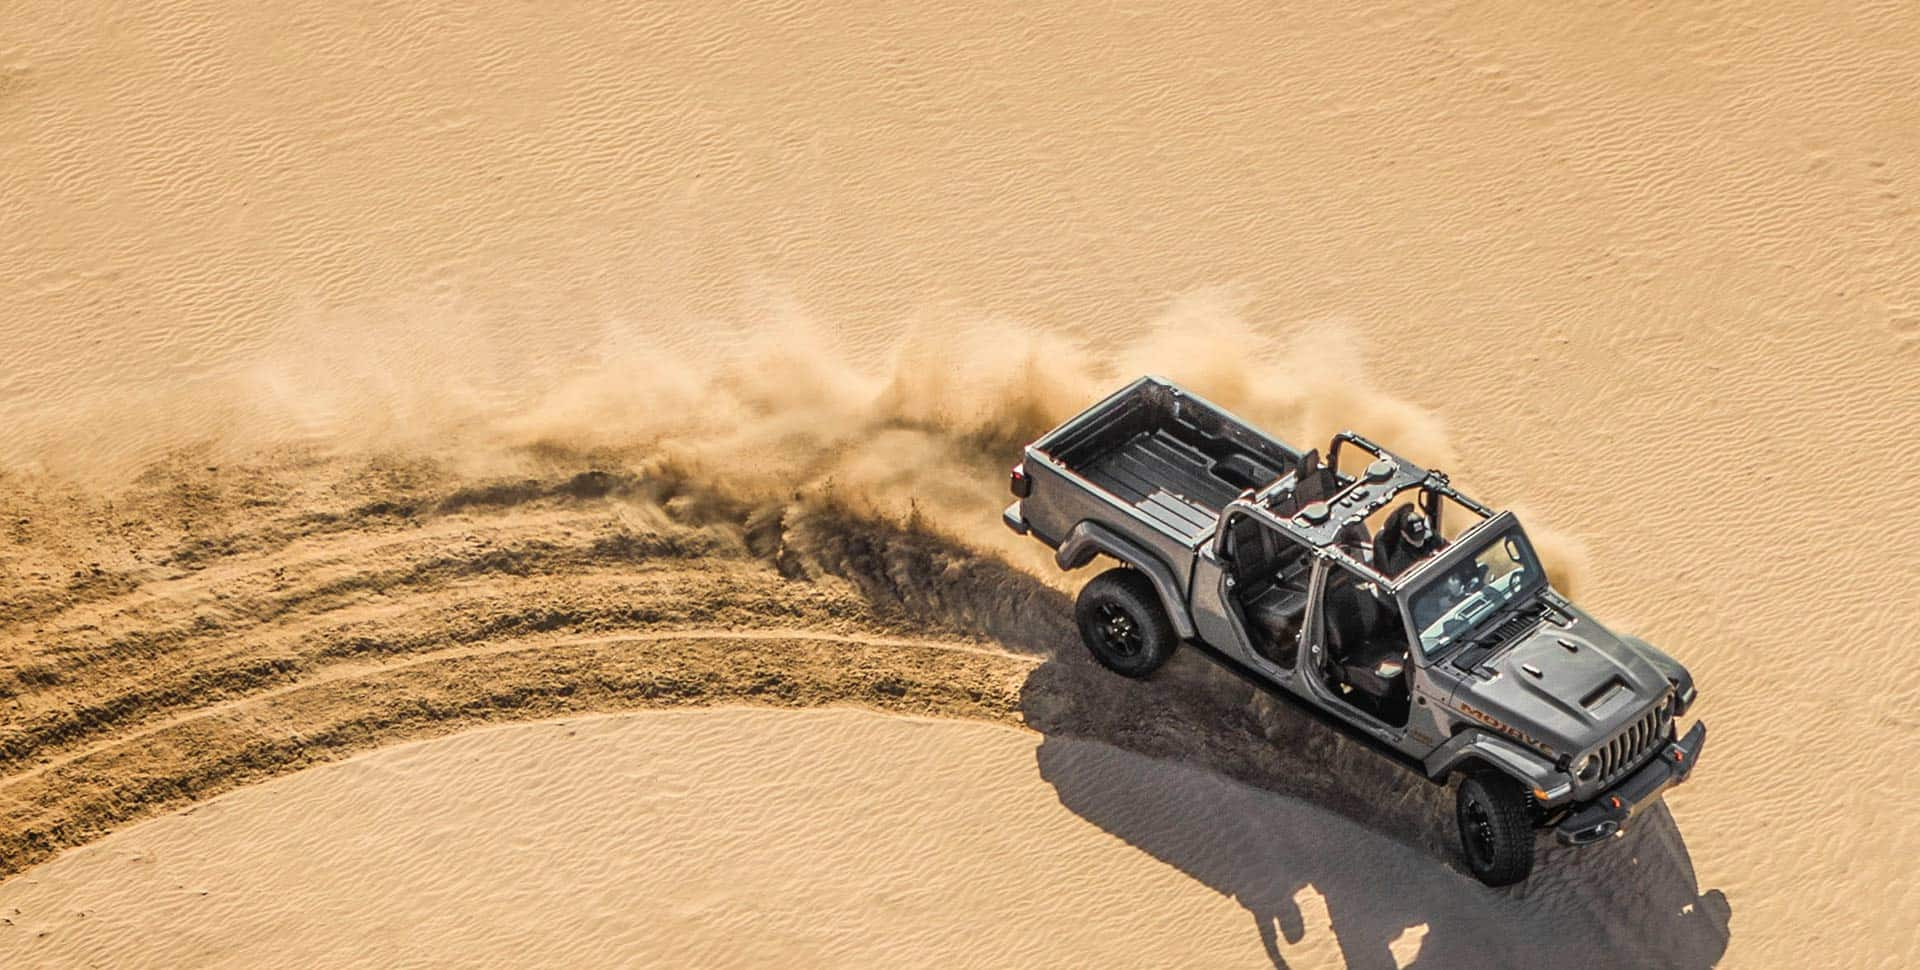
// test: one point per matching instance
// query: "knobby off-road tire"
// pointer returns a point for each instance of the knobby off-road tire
(1122, 623)
(1496, 828)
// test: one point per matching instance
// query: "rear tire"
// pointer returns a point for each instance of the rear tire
(1122, 623)
(1496, 828)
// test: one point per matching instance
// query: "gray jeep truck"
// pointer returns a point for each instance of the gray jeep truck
(1379, 599)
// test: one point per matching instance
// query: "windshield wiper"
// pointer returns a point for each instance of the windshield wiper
(1475, 649)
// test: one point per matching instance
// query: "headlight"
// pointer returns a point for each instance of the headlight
(1587, 767)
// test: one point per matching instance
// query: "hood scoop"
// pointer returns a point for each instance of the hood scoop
(1602, 695)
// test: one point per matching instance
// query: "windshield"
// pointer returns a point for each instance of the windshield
(1454, 602)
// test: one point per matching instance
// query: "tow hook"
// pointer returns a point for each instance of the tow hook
(1594, 833)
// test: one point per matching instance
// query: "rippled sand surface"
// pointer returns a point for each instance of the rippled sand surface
(742, 838)
(368, 373)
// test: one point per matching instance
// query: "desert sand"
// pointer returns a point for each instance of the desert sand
(369, 374)
(693, 839)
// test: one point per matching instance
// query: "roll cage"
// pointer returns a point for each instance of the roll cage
(1319, 525)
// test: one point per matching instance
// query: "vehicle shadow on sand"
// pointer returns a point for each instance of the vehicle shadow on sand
(1260, 802)
(1372, 840)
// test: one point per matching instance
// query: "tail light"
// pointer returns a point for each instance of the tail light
(1018, 483)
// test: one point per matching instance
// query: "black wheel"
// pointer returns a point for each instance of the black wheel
(1496, 828)
(1122, 622)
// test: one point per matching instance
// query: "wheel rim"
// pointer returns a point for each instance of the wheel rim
(1119, 634)
(1476, 830)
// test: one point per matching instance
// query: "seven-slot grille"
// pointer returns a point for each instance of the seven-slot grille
(1627, 749)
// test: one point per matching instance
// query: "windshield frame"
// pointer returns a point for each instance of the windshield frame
(1467, 546)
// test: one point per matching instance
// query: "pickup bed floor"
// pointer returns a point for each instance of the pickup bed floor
(1167, 479)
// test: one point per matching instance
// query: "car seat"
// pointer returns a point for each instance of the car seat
(1362, 641)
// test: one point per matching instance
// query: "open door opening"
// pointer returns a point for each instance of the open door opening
(1367, 651)
(1270, 573)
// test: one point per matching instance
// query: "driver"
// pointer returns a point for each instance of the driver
(1458, 583)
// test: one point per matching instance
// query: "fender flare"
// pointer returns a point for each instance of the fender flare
(1675, 672)
(1090, 538)
(1474, 744)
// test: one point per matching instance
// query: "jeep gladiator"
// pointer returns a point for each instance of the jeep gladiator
(1371, 593)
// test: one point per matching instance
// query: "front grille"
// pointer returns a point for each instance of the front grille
(1626, 750)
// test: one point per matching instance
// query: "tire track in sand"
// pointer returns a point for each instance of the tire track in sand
(347, 672)
(246, 638)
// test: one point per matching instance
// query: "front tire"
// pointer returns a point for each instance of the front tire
(1496, 828)
(1122, 623)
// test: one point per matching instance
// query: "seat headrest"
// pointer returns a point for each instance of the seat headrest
(1314, 481)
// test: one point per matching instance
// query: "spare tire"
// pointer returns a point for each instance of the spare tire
(1122, 623)
(1496, 828)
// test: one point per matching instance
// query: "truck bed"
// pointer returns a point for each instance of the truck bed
(1175, 458)
(1165, 478)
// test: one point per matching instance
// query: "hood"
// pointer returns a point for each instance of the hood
(1564, 687)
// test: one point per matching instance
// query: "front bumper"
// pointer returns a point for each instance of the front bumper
(1610, 812)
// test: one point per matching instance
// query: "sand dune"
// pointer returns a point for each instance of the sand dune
(371, 373)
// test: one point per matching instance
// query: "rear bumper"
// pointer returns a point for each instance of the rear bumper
(1610, 812)
(1013, 520)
